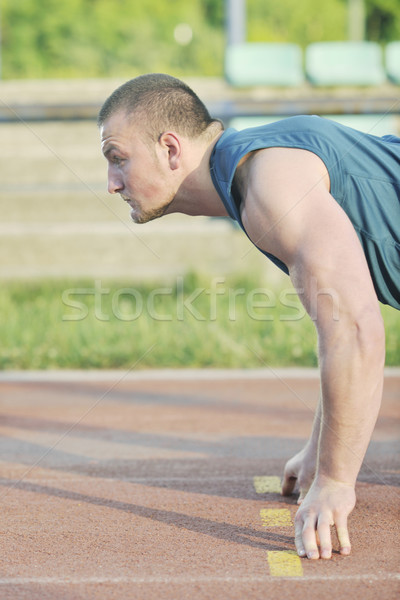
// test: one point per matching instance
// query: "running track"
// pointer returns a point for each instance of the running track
(164, 486)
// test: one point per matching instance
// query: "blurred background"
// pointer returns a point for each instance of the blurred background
(123, 38)
(252, 62)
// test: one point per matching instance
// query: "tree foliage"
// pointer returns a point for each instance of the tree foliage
(300, 22)
(92, 38)
(383, 20)
(100, 38)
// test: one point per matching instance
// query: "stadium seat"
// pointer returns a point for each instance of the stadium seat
(376, 124)
(344, 63)
(392, 61)
(253, 121)
(263, 63)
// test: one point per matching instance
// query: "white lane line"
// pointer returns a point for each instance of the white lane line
(99, 375)
(368, 577)
(170, 374)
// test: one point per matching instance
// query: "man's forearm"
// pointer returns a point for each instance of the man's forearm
(351, 384)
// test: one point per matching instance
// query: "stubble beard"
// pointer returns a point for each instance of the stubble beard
(141, 216)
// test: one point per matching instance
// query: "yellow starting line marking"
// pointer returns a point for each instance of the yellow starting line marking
(284, 564)
(267, 485)
(276, 517)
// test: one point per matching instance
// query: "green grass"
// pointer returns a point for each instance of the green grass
(193, 322)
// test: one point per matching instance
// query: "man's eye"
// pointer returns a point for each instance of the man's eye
(116, 160)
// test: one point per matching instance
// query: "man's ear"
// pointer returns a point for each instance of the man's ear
(170, 146)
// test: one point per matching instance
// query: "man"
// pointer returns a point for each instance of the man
(320, 200)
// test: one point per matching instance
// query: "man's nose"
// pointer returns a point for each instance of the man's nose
(115, 184)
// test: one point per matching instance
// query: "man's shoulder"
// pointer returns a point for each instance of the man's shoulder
(288, 124)
(291, 132)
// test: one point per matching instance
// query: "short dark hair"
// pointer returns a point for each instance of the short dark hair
(167, 101)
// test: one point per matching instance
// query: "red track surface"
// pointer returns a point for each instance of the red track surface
(142, 487)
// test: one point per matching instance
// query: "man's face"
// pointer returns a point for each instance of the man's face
(135, 170)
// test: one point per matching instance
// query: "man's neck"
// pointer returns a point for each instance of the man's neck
(197, 194)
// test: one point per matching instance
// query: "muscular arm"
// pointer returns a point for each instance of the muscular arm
(288, 211)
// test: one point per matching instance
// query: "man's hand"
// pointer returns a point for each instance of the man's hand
(299, 472)
(327, 503)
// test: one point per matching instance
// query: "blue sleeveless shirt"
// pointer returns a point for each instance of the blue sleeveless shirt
(364, 172)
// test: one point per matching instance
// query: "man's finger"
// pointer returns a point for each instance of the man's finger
(325, 540)
(305, 538)
(344, 539)
(298, 540)
(288, 485)
(303, 493)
